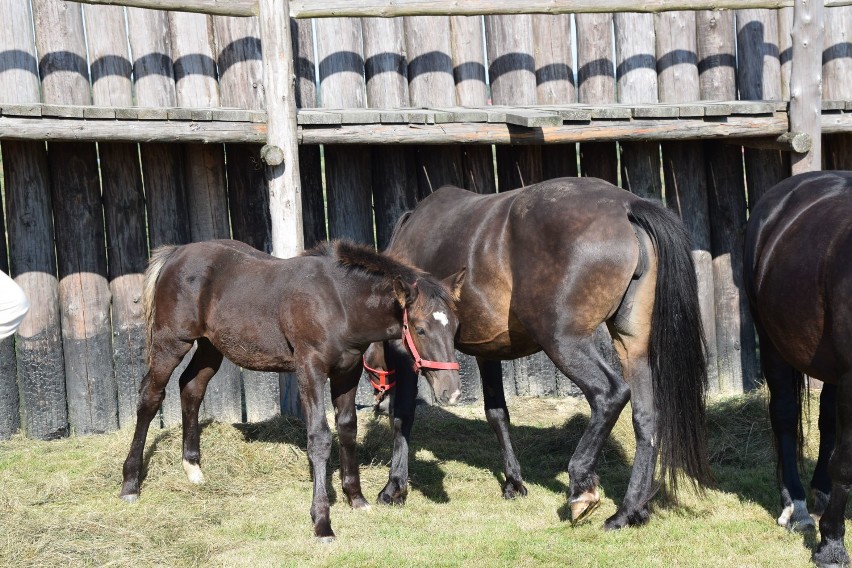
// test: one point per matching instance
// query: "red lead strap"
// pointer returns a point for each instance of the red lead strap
(382, 385)
(418, 362)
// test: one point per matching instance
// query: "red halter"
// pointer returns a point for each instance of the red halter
(419, 363)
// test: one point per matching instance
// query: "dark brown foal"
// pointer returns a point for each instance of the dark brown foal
(314, 315)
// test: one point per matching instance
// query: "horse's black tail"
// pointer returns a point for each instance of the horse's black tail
(677, 349)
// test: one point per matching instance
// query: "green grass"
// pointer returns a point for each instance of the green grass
(59, 505)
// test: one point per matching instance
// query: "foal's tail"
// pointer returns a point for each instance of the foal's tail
(152, 273)
(677, 347)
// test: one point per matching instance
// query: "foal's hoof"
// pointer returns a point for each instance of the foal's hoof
(325, 539)
(621, 520)
(795, 517)
(193, 472)
(360, 504)
(395, 499)
(130, 497)
(584, 505)
(513, 489)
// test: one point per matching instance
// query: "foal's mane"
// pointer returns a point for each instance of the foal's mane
(363, 259)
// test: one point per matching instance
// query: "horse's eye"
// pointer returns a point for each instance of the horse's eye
(420, 331)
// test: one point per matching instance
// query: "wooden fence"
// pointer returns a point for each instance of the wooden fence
(155, 124)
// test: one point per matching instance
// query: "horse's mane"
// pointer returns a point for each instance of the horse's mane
(363, 259)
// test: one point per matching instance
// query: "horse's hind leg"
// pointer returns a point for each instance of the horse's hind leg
(831, 551)
(783, 383)
(193, 384)
(821, 481)
(343, 392)
(165, 357)
(498, 418)
(581, 360)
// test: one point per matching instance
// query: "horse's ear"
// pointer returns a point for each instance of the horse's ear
(455, 282)
(405, 293)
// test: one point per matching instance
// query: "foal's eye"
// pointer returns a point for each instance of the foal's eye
(420, 331)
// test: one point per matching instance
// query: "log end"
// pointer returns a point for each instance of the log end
(272, 155)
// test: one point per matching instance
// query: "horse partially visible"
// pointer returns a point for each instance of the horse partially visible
(798, 276)
(546, 266)
(314, 315)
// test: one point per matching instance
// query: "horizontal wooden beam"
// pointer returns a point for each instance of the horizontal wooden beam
(216, 7)
(393, 8)
(798, 142)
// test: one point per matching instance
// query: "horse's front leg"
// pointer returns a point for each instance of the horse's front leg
(497, 415)
(343, 392)
(402, 406)
(832, 551)
(312, 376)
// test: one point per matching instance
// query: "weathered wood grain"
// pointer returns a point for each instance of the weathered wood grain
(806, 82)
(837, 81)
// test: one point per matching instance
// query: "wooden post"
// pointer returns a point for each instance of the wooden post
(511, 57)
(196, 86)
(394, 180)
(78, 217)
(124, 206)
(430, 83)
(759, 78)
(686, 187)
(735, 340)
(10, 417)
(554, 76)
(347, 168)
(310, 162)
(837, 81)
(37, 383)
(637, 83)
(806, 82)
(596, 85)
(162, 164)
(241, 86)
(471, 91)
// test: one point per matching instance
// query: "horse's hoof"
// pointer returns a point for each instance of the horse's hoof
(512, 490)
(795, 518)
(584, 505)
(621, 520)
(360, 504)
(193, 472)
(325, 539)
(130, 497)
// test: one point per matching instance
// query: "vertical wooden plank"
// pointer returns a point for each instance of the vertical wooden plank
(347, 168)
(596, 85)
(726, 196)
(310, 163)
(393, 177)
(511, 57)
(636, 72)
(759, 78)
(837, 81)
(162, 164)
(806, 82)
(785, 48)
(10, 416)
(37, 386)
(471, 91)
(196, 86)
(124, 205)
(431, 84)
(241, 86)
(78, 214)
(686, 191)
(554, 77)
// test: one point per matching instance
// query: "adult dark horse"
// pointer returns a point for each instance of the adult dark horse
(546, 266)
(798, 276)
(314, 315)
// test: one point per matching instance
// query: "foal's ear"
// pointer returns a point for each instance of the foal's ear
(455, 282)
(405, 293)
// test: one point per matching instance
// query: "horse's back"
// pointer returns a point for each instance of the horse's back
(798, 272)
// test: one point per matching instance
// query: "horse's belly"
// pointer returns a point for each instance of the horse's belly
(255, 355)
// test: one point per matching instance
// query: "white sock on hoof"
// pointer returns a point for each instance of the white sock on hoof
(193, 473)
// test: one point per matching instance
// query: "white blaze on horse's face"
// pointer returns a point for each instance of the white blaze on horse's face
(441, 317)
